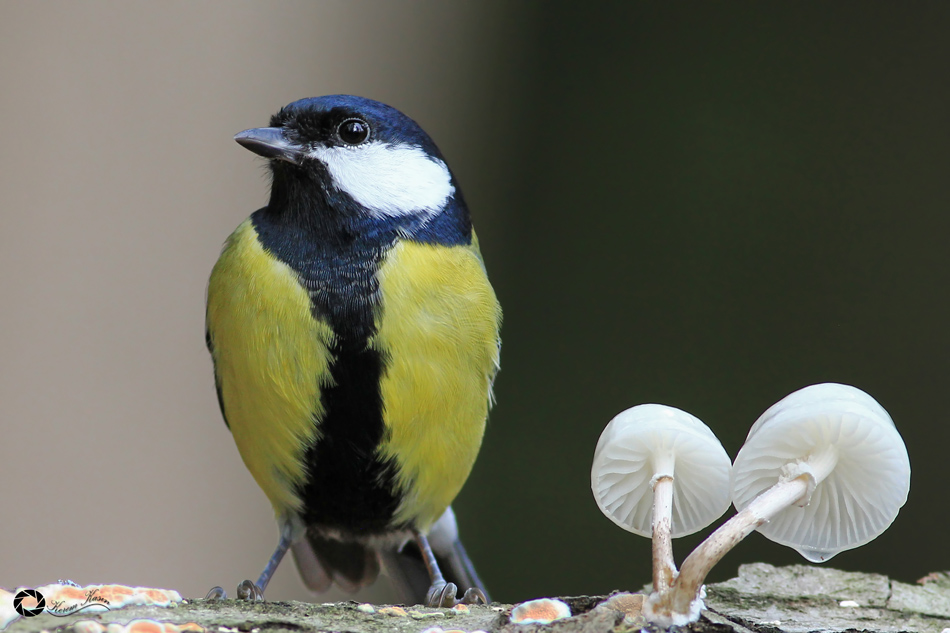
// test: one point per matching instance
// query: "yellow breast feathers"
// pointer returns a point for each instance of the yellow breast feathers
(270, 357)
(438, 328)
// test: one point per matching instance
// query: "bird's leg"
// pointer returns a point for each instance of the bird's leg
(441, 593)
(248, 590)
(252, 591)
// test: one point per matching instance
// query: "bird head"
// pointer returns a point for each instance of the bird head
(358, 157)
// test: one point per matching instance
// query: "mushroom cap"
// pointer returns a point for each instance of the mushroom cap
(858, 500)
(652, 439)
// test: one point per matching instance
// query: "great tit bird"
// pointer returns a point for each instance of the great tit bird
(355, 340)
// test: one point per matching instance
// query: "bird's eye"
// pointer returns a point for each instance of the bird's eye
(353, 131)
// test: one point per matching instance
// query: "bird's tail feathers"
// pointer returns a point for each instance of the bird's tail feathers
(352, 565)
(323, 561)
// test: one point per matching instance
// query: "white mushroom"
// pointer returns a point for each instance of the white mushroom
(844, 446)
(822, 470)
(659, 471)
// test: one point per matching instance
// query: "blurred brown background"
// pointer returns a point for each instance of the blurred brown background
(705, 206)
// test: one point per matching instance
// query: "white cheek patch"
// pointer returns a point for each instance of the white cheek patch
(389, 180)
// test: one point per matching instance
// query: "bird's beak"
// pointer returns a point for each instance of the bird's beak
(271, 142)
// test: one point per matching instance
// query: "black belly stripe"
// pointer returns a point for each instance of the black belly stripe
(347, 488)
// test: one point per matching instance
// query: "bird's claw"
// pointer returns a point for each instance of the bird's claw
(474, 595)
(249, 590)
(444, 595)
(217, 593)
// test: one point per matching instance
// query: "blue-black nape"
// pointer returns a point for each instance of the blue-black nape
(316, 118)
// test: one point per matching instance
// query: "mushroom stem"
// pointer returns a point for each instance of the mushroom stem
(663, 564)
(698, 564)
(794, 487)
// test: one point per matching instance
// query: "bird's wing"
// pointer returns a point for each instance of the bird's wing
(217, 381)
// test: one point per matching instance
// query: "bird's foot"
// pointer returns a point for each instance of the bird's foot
(217, 593)
(251, 591)
(444, 595)
(474, 595)
(247, 590)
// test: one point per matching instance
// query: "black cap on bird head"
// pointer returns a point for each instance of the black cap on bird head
(361, 159)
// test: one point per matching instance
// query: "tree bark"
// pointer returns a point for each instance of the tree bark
(763, 599)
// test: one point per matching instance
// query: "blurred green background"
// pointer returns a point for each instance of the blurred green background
(703, 205)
